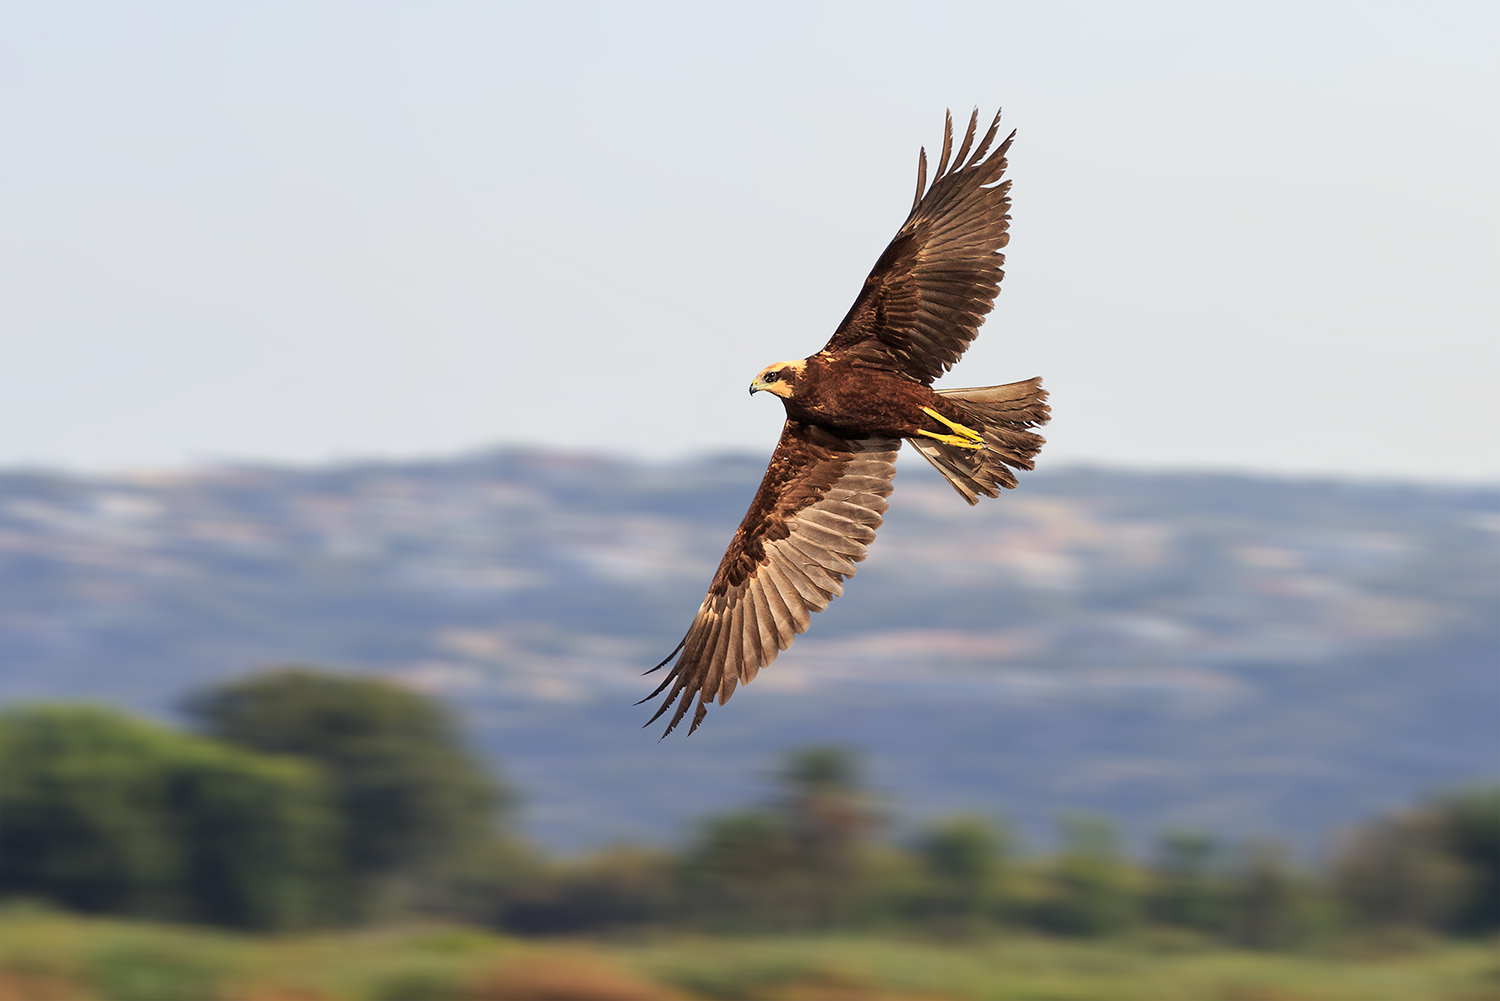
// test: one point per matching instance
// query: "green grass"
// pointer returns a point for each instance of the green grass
(1031, 969)
(52, 957)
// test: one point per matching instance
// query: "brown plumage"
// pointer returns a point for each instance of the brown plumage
(848, 409)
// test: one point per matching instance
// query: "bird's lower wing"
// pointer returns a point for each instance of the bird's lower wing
(817, 509)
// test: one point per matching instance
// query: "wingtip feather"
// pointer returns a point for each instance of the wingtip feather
(963, 150)
(680, 644)
(947, 144)
(921, 177)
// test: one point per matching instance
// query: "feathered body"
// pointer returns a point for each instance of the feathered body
(848, 409)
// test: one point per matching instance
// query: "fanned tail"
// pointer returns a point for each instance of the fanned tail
(1003, 415)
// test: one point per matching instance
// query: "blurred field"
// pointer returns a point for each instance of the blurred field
(50, 957)
(324, 838)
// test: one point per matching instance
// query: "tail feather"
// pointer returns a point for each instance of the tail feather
(1003, 415)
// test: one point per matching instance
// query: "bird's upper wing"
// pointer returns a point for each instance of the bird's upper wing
(817, 509)
(927, 294)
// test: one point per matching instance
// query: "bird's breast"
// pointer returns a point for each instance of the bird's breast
(856, 402)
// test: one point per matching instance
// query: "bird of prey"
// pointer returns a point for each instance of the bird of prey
(849, 407)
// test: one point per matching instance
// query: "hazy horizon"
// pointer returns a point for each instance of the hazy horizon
(909, 462)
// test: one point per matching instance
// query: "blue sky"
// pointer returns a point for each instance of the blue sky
(1260, 237)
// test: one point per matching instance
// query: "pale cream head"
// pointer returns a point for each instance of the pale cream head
(779, 379)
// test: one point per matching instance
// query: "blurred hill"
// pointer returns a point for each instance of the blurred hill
(1218, 652)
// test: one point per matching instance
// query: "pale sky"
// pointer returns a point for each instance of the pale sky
(1256, 237)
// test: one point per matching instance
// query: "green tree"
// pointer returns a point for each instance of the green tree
(742, 873)
(800, 862)
(1398, 873)
(1093, 889)
(1435, 867)
(1273, 906)
(105, 813)
(1469, 826)
(829, 815)
(1188, 888)
(612, 889)
(962, 862)
(416, 805)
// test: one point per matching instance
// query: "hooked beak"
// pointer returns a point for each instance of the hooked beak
(754, 389)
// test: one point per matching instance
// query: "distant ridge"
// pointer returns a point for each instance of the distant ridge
(1210, 649)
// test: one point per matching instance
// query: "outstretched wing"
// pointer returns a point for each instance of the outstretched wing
(817, 509)
(928, 293)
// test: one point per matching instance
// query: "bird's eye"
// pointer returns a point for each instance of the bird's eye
(773, 376)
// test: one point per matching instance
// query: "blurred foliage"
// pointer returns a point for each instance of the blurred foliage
(1274, 906)
(416, 806)
(614, 889)
(740, 873)
(1094, 890)
(1187, 886)
(1436, 867)
(100, 812)
(827, 816)
(319, 800)
(1469, 830)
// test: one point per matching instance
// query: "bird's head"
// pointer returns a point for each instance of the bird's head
(780, 379)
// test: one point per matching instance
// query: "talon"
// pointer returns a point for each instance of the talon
(969, 433)
(952, 439)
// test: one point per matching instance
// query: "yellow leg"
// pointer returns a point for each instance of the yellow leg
(969, 433)
(951, 439)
